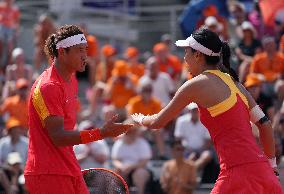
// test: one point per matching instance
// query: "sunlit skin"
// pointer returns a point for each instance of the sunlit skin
(72, 60)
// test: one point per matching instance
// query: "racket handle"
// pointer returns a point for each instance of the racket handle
(88, 136)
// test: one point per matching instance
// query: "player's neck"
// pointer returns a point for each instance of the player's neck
(64, 72)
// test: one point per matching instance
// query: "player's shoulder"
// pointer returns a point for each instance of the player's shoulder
(198, 81)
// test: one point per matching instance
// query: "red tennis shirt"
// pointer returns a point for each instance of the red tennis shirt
(51, 96)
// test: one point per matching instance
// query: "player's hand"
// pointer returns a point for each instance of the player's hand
(138, 118)
(112, 129)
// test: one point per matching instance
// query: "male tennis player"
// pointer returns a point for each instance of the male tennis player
(52, 167)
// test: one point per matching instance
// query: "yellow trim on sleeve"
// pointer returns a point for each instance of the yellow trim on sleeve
(39, 103)
(228, 103)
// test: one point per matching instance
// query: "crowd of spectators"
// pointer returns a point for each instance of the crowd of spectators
(127, 82)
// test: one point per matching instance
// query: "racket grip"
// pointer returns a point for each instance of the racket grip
(88, 136)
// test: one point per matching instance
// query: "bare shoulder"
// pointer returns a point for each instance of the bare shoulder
(198, 81)
(196, 87)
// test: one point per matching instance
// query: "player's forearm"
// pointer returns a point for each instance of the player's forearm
(267, 139)
(65, 138)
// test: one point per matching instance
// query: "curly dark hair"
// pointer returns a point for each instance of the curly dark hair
(62, 33)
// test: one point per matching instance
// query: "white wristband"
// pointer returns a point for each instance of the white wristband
(272, 162)
(256, 114)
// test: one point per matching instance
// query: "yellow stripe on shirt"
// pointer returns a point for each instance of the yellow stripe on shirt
(228, 103)
(39, 103)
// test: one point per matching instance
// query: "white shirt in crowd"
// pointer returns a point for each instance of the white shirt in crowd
(93, 148)
(193, 135)
(162, 87)
(131, 153)
(7, 147)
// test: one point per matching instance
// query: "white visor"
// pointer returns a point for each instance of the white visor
(191, 42)
(71, 41)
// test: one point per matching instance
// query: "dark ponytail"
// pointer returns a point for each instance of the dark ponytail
(212, 41)
(50, 47)
(226, 54)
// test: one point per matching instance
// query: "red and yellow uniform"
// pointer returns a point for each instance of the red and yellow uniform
(244, 167)
(52, 96)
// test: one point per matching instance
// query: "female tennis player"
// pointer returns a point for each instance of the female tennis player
(51, 165)
(226, 109)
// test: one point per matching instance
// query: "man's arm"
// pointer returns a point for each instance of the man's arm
(61, 137)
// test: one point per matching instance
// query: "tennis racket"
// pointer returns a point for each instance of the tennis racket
(104, 181)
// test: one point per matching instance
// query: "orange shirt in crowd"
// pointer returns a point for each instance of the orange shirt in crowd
(171, 65)
(270, 68)
(120, 93)
(9, 16)
(16, 108)
(177, 176)
(136, 105)
(137, 69)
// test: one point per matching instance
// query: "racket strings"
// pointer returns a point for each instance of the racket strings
(104, 182)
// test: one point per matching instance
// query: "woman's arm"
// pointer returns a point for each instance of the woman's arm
(265, 128)
(185, 94)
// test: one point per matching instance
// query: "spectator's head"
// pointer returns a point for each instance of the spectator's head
(269, 45)
(248, 31)
(108, 51)
(253, 84)
(193, 109)
(145, 90)
(203, 50)
(120, 70)
(161, 51)
(212, 24)
(22, 86)
(166, 39)
(13, 128)
(45, 21)
(177, 149)
(69, 46)
(18, 57)
(131, 53)
(152, 67)
(237, 11)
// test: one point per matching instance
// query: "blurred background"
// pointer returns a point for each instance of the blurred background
(134, 66)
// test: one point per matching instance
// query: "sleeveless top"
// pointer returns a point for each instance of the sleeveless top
(229, 126)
